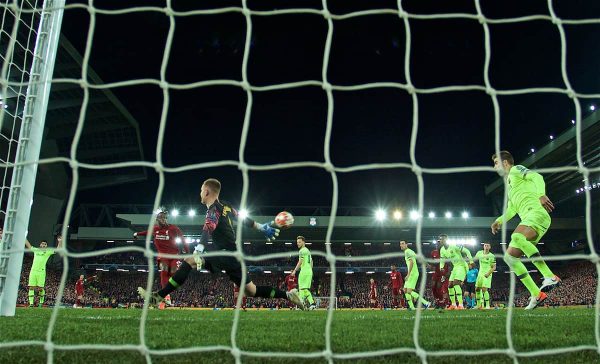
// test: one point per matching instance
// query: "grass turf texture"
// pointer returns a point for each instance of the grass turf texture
(297, 331)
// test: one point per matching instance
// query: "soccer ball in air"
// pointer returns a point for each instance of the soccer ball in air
(284, 220)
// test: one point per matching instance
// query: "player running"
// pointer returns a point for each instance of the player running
(166, 237)
(527, 198)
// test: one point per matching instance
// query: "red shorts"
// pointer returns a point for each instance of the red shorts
(396, 291)
(373, 297)
(79, 292)
(171, 263)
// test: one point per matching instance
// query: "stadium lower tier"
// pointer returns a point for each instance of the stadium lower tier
(119, 289)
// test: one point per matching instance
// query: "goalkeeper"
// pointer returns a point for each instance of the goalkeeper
(527, 198)
(218, 225)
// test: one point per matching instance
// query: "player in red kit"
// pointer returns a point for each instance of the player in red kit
(236, 293)
(79, 289)
(396, 284)
(291, 282)
(373, 294)
(439, 285)
(166, 238)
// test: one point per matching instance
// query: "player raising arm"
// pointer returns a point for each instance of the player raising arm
(218, 225)
(37, 275)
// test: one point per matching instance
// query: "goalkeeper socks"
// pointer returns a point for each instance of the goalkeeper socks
(164, 278)
(269, 292)
(42, 296)
(479, 296)
(519, 268)
(31, 297)
(177, 280)
(459, 296)
(451, 294)
(486, 297)
(530, 250)
(409, 300)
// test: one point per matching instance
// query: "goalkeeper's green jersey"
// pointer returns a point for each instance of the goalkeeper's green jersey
(40, 258)
(306, 260)
(486, 261)
(525, 188)
(455, 254)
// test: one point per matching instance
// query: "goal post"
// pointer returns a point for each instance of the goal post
(29, 142)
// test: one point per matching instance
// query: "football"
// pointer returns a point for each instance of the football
(284, 220)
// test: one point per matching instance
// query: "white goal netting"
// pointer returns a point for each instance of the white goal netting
(27, 13)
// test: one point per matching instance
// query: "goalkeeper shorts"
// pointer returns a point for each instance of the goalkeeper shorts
(230, 265)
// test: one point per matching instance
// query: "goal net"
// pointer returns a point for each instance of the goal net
(21, 24)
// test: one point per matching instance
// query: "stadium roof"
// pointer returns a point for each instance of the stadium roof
(110, 133)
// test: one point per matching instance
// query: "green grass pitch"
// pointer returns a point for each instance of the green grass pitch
(298, 331)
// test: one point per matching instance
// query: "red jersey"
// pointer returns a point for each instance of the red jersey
(236, 289)
(79, 285)
(291, 282)
(373, 291)
(165, 239)
(396, 280)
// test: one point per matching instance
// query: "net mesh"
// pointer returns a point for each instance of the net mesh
(18, 10)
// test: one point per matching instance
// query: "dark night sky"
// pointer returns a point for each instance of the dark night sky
(455, 129)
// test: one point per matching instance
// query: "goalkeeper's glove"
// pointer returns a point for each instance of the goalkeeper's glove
(270, 232)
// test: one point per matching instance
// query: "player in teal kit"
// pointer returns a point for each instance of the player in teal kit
(527, 198)
(470, 286)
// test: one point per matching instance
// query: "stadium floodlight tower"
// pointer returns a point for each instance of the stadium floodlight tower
(37, 80)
